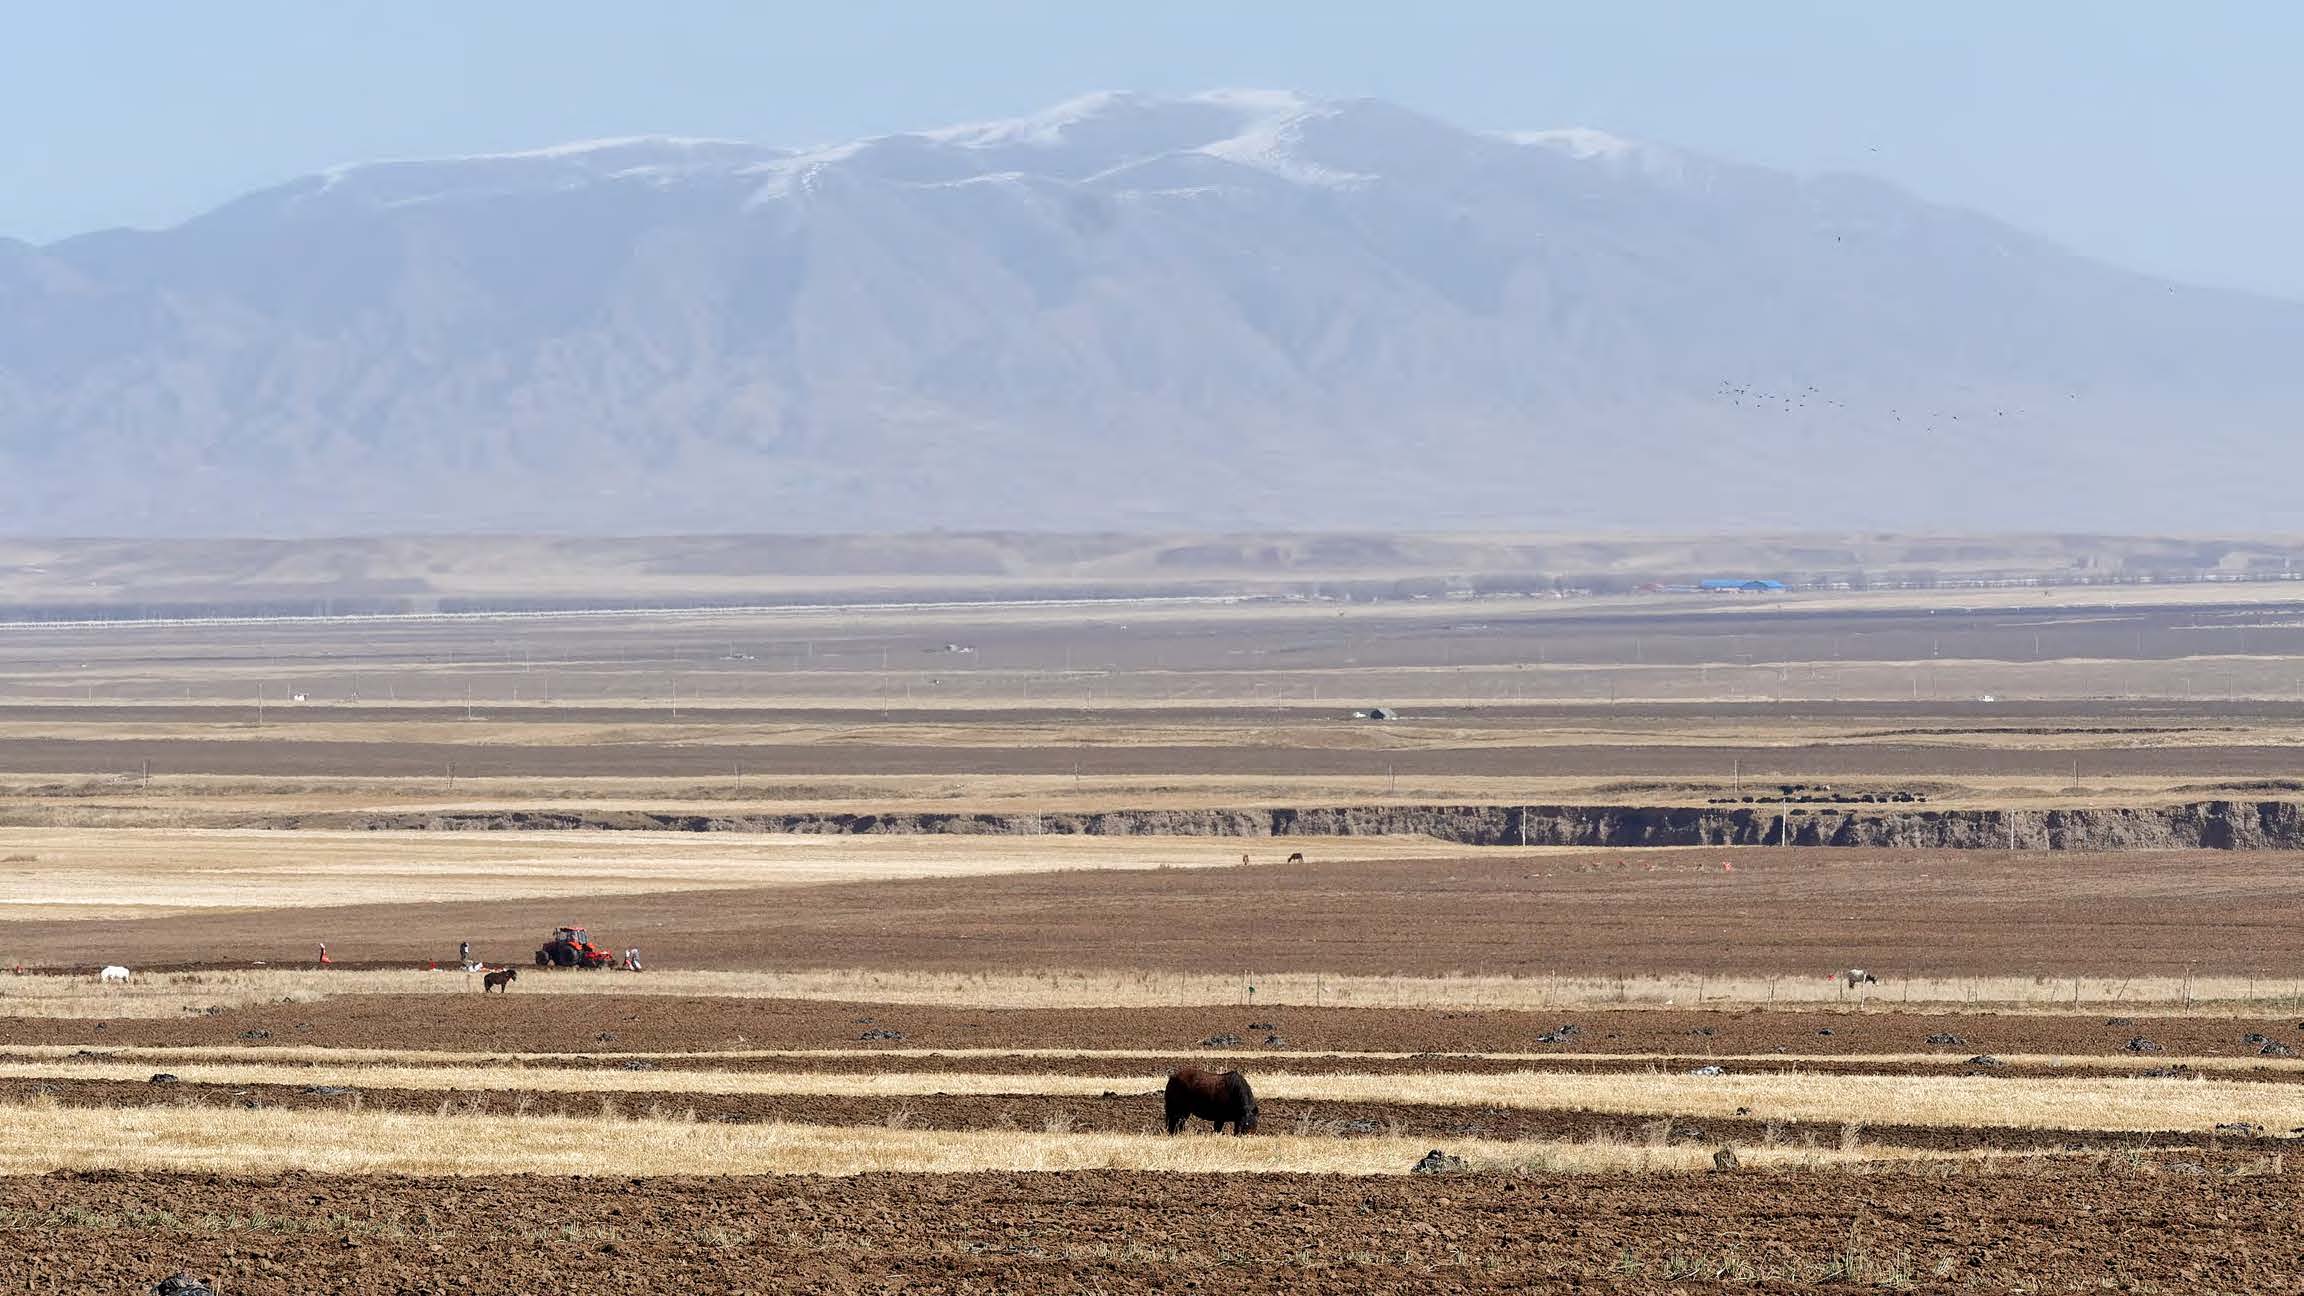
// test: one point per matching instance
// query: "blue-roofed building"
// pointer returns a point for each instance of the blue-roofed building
(1741, 585)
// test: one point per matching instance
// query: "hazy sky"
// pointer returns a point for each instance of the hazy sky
(2158, 135)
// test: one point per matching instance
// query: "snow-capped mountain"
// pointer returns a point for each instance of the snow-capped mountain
(1229, 310)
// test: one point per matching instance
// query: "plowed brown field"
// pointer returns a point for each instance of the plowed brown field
(645, 1024)
(2174, 1223)
(1619, 912)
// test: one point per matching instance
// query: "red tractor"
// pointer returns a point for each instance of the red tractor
(571, 947)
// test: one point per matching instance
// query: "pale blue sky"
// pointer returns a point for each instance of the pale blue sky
(2158, 135)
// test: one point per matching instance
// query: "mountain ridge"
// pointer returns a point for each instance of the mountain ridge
(1236, 308)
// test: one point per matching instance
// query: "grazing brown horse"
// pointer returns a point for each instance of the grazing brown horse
(1296, 858)
(1222, 1098)
(497, 981)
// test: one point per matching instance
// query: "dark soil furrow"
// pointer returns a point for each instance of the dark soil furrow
(2186, 1222)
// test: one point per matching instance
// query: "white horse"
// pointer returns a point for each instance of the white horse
(113, 974)
(1855, 977)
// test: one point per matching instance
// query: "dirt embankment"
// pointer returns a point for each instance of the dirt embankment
(2180, 1222)
(2209, 825)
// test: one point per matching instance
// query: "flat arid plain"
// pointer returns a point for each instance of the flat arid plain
(932, 898)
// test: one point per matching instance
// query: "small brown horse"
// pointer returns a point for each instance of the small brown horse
(1224, 1099)
(497, 981)
(1296, 858)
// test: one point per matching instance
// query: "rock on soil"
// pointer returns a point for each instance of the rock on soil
(2141, 1045)
(182, 1285)
(1438, 1162)
(1221, 1041)
(1945, 1038)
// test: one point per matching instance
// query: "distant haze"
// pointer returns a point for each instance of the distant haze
(1242, 310)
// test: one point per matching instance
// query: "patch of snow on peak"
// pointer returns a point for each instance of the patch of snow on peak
(1276, 144)
(626, 146)
(1580, 142)
(652, 159)
(1598, 146)
(1162, 124)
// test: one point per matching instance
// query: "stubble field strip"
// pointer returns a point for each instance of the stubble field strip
(55, 874)
(2122, 1104)
(45, 1137)
(174, 994)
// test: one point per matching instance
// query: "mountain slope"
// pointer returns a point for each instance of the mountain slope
(1233, 309)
